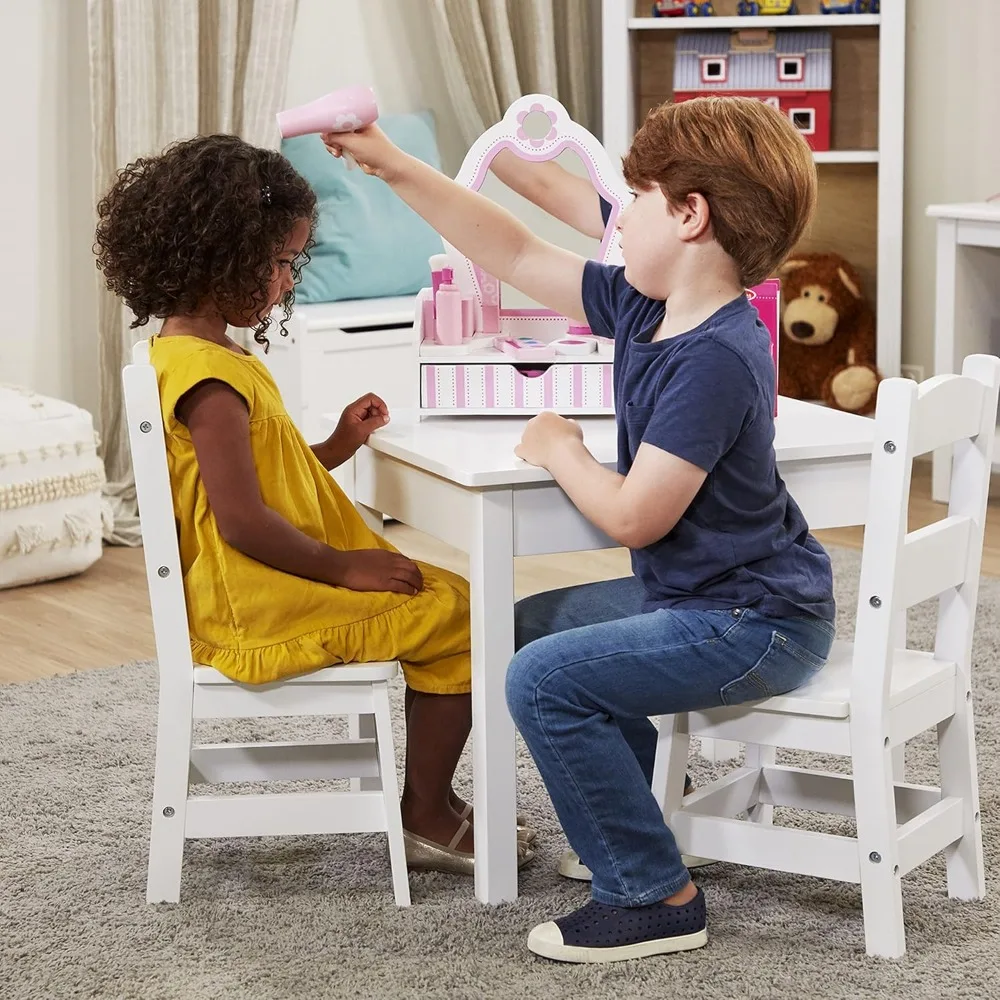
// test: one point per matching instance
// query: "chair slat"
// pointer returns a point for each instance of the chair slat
(934, 559)
(949, 408)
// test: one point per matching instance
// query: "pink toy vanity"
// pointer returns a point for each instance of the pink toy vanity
(519, 361)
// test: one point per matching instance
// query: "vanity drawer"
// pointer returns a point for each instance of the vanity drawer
(566, 387)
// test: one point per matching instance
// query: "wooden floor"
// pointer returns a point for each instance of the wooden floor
(101, 618)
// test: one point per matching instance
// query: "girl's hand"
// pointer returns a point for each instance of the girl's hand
(357, 424)
(378, 569)
(544, 435)
(370, 147)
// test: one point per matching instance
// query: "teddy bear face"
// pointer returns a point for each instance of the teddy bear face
(816, 307)
(811, 319)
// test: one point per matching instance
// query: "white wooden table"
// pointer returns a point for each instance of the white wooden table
(457, 479)
(967, 308)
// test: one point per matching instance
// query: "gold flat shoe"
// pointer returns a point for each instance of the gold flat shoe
(423, 854)
(524, 832)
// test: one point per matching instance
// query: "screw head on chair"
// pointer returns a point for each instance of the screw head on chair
(163, 571)
(168, 811)
(875, 858)
(889, 446)
(145, 427)
(875, 601)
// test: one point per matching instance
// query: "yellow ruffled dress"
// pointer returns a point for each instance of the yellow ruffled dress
(257, 624)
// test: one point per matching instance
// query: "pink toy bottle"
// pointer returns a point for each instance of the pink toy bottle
(437, 264)
(344, 110)
(428, 332)
(448, 309)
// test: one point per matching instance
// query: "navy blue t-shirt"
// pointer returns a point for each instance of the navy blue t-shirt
(706, 396)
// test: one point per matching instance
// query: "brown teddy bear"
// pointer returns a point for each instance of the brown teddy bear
(827, 349)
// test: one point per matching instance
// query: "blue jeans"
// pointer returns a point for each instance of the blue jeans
(590, 670)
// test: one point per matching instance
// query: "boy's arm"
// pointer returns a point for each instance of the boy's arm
(486, 233)
(569, 197)
(634, 510)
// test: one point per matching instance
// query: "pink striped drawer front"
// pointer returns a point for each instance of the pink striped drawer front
(564, 387)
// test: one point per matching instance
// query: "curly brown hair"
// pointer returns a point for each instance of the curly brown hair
(202, 222)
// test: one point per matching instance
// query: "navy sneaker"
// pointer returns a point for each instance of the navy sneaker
(601, 933)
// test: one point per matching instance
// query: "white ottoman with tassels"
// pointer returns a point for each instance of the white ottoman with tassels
(50, 488)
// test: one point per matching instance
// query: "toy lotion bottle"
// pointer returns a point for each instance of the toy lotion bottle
(428, 332)
(437, 264)
(448, 309)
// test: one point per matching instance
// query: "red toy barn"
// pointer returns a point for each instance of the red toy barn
(789, 69)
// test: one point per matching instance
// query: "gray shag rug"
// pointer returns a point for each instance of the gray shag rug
(307, 918)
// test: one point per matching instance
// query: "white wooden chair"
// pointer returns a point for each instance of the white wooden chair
(189, 692)
(870, 697)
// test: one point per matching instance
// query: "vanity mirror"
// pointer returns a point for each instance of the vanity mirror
(515, 356)
(483, 348)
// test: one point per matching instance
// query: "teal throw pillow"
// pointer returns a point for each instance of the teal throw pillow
(369, 242)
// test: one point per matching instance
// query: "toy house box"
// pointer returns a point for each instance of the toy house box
(522, 361)
(792, 70)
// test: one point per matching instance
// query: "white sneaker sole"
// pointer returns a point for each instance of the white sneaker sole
(546, 940)
(570, 865)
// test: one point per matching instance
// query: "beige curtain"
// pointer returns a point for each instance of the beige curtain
(494, 51)
(162, 70)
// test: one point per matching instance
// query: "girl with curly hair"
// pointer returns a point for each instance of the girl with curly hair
(282, 575)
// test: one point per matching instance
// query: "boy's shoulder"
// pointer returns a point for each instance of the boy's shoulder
(612, 304)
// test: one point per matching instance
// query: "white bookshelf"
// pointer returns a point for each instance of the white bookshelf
(860, 211)
(801, 21)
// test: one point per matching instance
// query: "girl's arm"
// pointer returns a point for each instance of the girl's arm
(217, 419)
(569, 197)
(482, 230)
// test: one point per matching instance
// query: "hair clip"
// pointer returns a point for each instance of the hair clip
(265, 194)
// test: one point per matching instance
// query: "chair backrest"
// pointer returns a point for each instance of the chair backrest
(901, 568)
(156, 515)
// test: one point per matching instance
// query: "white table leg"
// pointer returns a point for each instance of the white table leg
(944, 339)
(491, 575)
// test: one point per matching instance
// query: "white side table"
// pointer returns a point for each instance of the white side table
(967, 312)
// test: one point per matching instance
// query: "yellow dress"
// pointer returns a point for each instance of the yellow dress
(257, 624)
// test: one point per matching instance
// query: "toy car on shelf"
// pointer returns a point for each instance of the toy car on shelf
(765, 8)
(671, 8)
(849, 7)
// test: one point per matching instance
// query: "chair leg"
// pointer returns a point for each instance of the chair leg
(899, 763)
(881, 886)
(390, 794)
(959, 778)
(362, 727)
(671, 763)
(760, 757)
(170, 792)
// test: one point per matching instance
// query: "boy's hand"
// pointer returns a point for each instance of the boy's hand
(357, 423)
(544, 435)
(370, 147)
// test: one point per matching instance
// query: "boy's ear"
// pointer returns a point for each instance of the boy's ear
(695, 215)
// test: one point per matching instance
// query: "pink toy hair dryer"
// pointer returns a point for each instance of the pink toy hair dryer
(345, 110)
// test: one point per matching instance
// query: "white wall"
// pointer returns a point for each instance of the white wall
(952, 143)
(48, 339)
